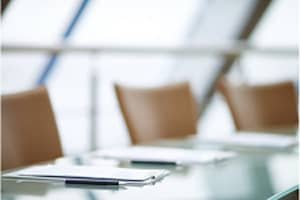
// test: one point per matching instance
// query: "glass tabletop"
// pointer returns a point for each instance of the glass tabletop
(250, 175)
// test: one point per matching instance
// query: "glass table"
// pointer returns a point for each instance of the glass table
(251, 175)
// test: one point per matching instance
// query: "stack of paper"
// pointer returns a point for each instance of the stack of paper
(90, 174)
(254, 140)
(161, 155)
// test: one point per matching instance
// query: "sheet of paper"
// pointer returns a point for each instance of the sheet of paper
(162, 154)
(248, 139)
(89, 172)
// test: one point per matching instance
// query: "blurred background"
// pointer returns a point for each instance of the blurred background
(80, 83)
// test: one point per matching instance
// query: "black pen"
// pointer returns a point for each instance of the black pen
(91, 182)
(147, 162)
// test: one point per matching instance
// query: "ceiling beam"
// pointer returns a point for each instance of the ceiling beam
(53, 59)
(224, 50)
(4, 4)
(246, 31)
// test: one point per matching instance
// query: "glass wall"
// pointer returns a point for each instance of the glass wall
(138, 23)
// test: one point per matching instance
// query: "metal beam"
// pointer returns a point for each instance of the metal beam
(249, 26)
(222, 50)
(4, 4)
(53, 59)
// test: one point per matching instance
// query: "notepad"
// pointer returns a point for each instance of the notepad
(254, 140)
(58, 172)
(163, 155)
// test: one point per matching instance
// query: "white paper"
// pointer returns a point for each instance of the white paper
(161, 154)
(248, 139)
(89, 172)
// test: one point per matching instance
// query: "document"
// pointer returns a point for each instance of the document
(162, 155)
(253, 140)
(89, 173)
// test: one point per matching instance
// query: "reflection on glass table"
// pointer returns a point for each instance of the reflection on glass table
(250, 175)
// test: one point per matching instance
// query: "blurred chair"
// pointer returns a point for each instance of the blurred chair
(270, 107)
(154, 113)
(29, 132)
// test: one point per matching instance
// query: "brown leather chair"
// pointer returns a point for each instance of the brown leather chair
(29, 132)
(154, 113)
(261, 107)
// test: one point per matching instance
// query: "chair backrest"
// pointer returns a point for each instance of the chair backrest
(261, 107)
(154, 113)
(29, 132)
